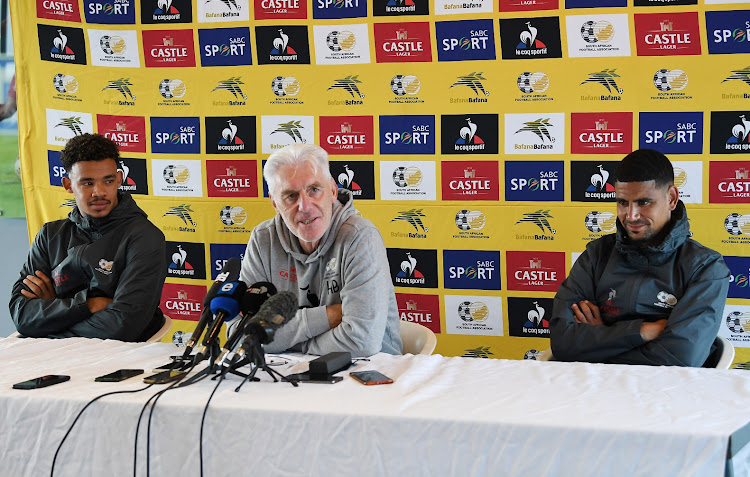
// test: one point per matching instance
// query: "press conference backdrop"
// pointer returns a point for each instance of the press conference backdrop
(479, 136)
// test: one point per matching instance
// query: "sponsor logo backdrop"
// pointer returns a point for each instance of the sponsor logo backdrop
(480, 137)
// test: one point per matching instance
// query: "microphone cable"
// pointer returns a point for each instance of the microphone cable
(203, 420)
(80, 413)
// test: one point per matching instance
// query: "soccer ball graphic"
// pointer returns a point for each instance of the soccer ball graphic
(405, 84)
(340, 40)
(174, 174)
(661, 80)
(736, 224)
(587, 32)
(172, 88)
(668, 80)
(738, 322)
(597, 222)
(233, 215)
(407, 176)
(594, 32)
(524, 83)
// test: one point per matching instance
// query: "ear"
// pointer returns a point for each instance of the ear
(119, 176)
(673, 195)
(66, 183)
(334, 189)
(273, 203)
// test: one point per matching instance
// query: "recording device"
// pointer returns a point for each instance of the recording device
(119, 375)
(230, 272)
(273, 314)
(224, 306)
(164, 377)
(323, 368)
(370, 377)
(252, 300)
(42, 382)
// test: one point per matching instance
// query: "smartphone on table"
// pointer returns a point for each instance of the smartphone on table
(42, 382)
(370, 377)
(164, 377)
(119, 375)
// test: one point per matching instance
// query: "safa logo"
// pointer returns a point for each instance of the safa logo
(113, 12)
(405, 134)
(330, 9)
(175, 135)
(225, 46)
(672, 133)
(471, 269)
(728, 32)
(465, 40)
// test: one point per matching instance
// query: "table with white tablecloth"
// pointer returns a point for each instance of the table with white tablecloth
(441, 416)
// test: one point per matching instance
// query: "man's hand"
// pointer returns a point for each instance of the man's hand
(586, 312)
(334, 315)
(652, 330)
(98, 303)
(40, 285)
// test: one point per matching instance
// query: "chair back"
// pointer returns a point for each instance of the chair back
(722, 356)
(417, 339)
(162, 331)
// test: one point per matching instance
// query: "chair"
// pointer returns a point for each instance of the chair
(15, 334)
(162, 331)
(723, 356)
(546, 355)
(417, 339)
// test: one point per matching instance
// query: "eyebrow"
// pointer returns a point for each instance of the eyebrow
(108, 176)
(286, 192)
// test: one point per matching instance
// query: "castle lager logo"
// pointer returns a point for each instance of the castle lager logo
(729, 182)
(168, 48)
(402, 42)
(422, 309)
(535, 271)
(184, 302)
(280, 9)
(470, 181)
(601, 133)
(232, 178)
(660, 34)
(64, 10)
(129, 132)
(347, 134)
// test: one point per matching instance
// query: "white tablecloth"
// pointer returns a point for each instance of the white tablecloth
(442, 416)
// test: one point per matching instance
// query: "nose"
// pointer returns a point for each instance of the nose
(633, 212)
(304, 202)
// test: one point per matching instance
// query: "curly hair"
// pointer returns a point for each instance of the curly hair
(88, 147)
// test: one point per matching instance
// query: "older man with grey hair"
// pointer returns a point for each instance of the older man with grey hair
(334, 260)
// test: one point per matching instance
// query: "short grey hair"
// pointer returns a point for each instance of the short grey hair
(295, 155)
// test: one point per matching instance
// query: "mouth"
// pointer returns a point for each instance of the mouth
(308, 221)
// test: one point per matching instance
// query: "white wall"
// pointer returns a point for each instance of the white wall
(14, 244)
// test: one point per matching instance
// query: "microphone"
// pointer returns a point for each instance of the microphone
(275, 313)
(225, 306)
(230, 272)
(251, 301)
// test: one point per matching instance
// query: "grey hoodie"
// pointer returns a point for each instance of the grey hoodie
(679, 279)
(349, 267)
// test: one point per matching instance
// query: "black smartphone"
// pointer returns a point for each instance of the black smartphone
(170, 365)
(306, 377)
(42, 382)
(370, 377)
(119, 375)
(164, 377)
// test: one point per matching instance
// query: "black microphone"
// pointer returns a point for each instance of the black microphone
(252, 300)
(275, 313)
(230, 272)
(224, 306)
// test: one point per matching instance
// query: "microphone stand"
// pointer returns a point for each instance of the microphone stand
(257, 359)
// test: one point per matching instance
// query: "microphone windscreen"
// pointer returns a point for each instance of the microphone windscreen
(278, 310)
(229, 273)
(255, 296)
(228, 299)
